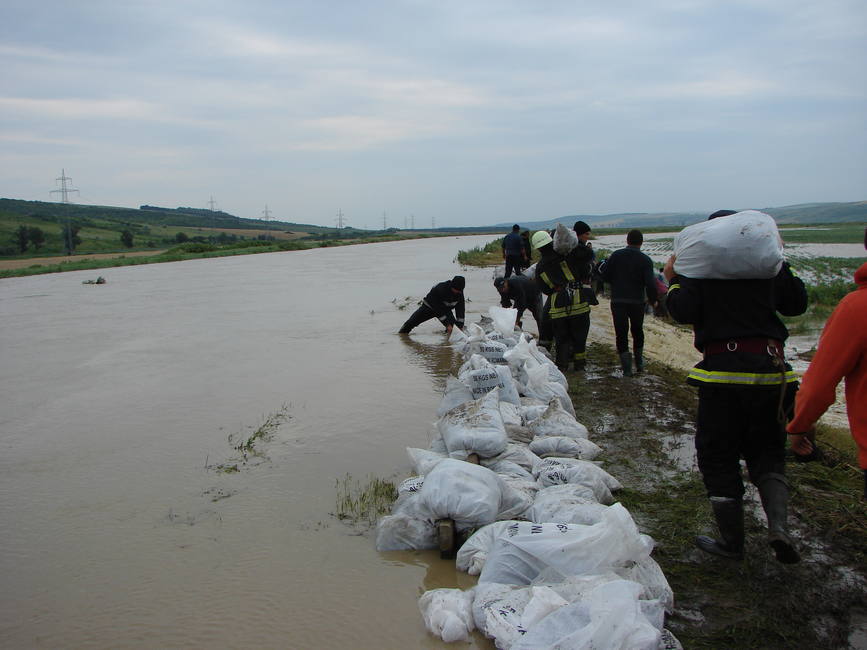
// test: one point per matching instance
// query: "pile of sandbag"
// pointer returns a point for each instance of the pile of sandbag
(560, 564)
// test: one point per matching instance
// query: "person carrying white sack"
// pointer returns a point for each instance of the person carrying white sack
(745, 387)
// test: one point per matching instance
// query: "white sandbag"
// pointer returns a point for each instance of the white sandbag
(456, 393)
(411, 484)
(526, 351)
(511, 413)
(610, 617)
(649, 575)
(470, 494)
(742, 246)
(539, 387)
(404, 533)
(497, 611)
(566, 504)
(554, 421)
(504, 319)
(517, 498)
(530, 412)
(438, 445)
(493, 351)
(519, 454)
(563, 446)
(475, 427)
(565, 240)
(555, 551)
(530, 272)
(448, 613)
(471, 555)
(507, 468)
(572, 470)
(487, 377)
(423, 460)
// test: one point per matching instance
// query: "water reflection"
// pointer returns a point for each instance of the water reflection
(432, 353)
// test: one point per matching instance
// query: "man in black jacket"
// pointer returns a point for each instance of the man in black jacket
(513, 251)
(745, 390)
(521, 292)
(438, 303)
(630, 274)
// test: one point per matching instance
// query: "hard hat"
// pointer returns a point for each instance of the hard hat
(539, 239)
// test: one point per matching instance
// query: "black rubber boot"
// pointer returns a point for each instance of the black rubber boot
(626, 363)
(639, 359)
(774, 492)
(729, 514)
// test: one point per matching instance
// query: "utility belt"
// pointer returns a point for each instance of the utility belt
(779, 373)
(751, 345)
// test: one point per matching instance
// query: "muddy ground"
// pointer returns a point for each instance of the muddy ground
(646, 424)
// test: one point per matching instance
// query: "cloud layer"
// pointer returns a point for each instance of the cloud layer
(462, 113)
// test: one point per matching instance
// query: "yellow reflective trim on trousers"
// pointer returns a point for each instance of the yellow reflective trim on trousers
(559, 312)
(743, 378)
(579, 308)
(673, 287)
(578, 356)
(547, 280)
(567, 271)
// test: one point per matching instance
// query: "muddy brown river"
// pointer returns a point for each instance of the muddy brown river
(118, 400)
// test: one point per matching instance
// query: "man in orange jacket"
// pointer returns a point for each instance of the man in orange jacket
(842, 353)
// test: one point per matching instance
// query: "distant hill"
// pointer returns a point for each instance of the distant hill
(793, 214)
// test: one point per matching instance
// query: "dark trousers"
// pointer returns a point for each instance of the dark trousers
(422, 314)
(513, 263)
(570, 338)
(628, 316)
(738, 421)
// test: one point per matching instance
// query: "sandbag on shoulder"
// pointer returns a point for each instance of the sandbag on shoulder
(741, 246)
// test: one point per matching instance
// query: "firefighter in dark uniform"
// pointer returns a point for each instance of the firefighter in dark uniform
(521, 292)
(439, 303)
(559, 278)
(745, 391)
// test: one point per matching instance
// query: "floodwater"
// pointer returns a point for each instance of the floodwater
(118, 400)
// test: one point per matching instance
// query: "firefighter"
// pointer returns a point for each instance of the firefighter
(559, 278)
(745, 390)
(521, 292)
(439, 303)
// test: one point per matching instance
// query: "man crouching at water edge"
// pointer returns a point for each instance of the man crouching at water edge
(438, 303)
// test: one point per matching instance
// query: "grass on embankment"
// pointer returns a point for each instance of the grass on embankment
(196, 250)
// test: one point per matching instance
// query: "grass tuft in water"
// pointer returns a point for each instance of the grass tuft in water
(363, 504)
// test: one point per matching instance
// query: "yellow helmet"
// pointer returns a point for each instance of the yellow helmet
(540, 238)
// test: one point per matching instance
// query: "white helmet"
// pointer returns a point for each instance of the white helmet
(539, 239)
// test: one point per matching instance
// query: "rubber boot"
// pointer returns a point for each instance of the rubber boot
(626, 363)
(729, 514)
(639, 359)
(774, 492)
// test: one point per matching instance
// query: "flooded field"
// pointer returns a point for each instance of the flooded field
(118, 404)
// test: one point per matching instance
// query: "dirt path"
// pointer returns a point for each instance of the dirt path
(57, 259)
(646, 426)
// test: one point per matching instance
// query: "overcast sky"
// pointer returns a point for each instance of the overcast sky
(455, 112)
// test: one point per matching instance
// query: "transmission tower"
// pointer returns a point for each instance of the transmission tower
(412, 222)
(212, 203)
(340, 219)
(266, 212)
(384, 222)
(64, 190)
(433, 223)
